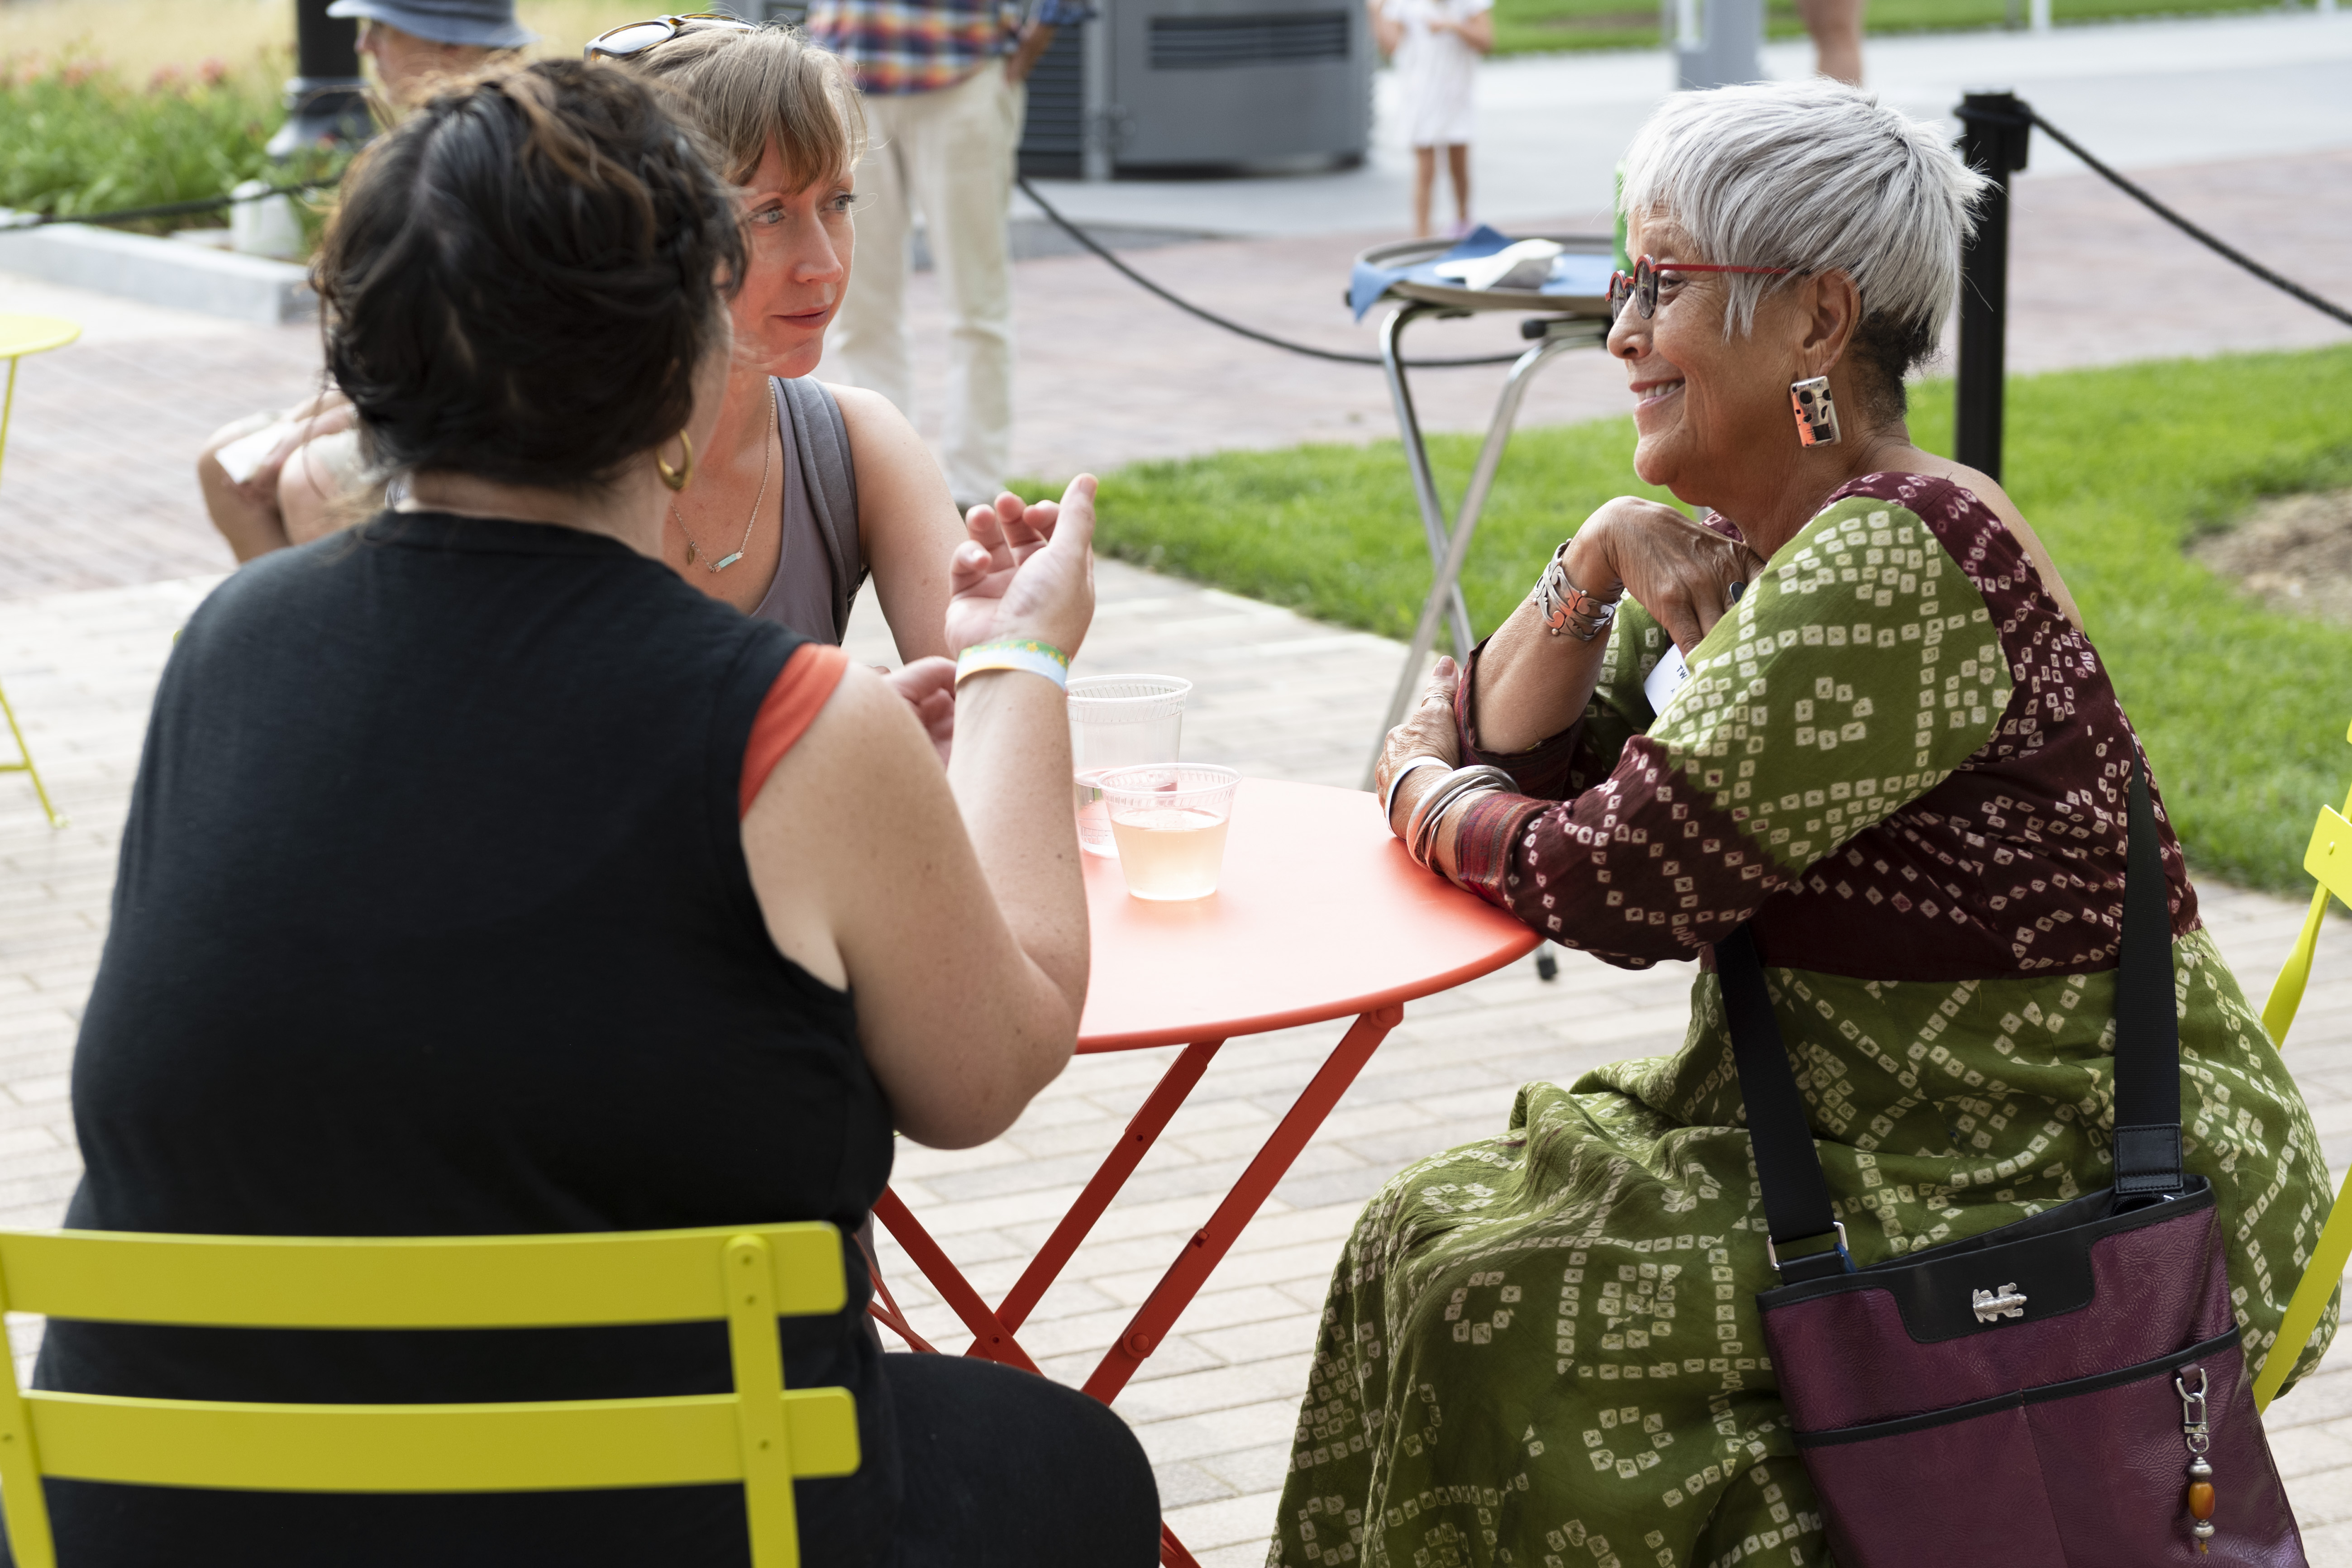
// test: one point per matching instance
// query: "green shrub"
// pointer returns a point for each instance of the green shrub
(75, 137)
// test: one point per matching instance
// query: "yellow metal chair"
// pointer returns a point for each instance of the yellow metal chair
(2329, 860)
(762, 1434)
(19, 336)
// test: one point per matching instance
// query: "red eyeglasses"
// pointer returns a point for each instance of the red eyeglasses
(1641, 285)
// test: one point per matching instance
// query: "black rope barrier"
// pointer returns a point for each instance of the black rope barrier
(1310, 351)
(165, 209)
(2218, 247)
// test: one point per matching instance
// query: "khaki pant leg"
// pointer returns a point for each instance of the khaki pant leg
(868, 345)
(960, 166)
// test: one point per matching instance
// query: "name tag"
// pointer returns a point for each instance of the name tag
(1666, 680)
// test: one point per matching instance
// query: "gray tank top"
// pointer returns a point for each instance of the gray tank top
(822, 563)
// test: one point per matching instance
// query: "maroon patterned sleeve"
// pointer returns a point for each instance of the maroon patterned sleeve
(1544, 770)
(1486, 838)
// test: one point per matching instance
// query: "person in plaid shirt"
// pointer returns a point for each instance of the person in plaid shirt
(944, 117)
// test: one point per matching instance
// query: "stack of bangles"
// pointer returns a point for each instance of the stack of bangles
(1459, 787)
(1016, 653)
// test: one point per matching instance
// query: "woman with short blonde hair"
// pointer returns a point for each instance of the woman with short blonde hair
(808, 486)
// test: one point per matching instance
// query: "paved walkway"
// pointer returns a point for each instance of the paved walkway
(2140, 95)
(97, 491)
(1277, 695)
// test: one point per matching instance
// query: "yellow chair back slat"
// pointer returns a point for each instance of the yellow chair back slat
(761, 1435)
(19, 336)
(2286, 994)
(570, 1445)
(475, 1282)
(2328, 860)
(2329, 856)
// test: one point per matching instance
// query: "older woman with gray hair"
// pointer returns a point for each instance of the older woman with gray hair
(1898, 760)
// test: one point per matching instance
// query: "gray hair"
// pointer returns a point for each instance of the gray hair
(1814, 175)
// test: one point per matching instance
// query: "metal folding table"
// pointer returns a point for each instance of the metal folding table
(1556, 322)
(1319, 915)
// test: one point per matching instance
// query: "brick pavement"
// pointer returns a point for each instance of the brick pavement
(97, 499)
(1277, 695)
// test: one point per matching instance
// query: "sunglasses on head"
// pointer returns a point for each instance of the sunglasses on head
(636, 37)
(1641, 285)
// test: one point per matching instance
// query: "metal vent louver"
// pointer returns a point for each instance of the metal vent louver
(1213, 43)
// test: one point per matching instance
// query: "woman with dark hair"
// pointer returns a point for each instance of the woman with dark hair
(537, 892)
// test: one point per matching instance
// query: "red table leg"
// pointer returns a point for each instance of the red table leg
(992, 1331)
(990, 1338)
(1172, 1550)
(1142, 1130)
(1210, 1242)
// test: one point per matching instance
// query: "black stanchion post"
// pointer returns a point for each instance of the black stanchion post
(1994, 131)
(326, 101)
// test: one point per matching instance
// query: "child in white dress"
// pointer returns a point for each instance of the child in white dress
(1435, 45)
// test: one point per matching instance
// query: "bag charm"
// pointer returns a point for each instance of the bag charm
(2201, 1474)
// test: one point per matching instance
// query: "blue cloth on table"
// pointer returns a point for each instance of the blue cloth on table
(1574, 274)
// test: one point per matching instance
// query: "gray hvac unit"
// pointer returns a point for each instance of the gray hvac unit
(1163, 86)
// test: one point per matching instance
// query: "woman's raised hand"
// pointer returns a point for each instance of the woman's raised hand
(1681, 572)
(1025, 571)
(1427, 732)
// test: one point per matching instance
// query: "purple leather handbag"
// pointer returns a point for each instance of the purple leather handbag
(2066, 1392)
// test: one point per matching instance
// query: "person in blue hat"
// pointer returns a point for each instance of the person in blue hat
(413, 42)
(274, 478)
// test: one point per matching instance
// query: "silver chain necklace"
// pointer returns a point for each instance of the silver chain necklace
(767, 459)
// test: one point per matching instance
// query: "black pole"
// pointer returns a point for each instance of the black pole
(326, 100)
(1994, 131)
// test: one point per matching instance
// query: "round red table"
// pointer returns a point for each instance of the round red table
(1319, 914)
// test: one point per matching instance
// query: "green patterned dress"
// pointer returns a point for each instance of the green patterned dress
(1907, 770)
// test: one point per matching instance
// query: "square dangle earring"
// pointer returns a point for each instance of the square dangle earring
(1817, 422)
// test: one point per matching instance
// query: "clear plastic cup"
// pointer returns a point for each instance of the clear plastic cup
(1118, 721)
(1171, 824)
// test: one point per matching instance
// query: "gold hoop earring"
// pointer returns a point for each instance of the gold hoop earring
(677, 478)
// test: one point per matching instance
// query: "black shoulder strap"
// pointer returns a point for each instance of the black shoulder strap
(1796, 1195)
(2147, 1063)
(822, 439)
(2148, 1018)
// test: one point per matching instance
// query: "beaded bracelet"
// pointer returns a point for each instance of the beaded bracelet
(1016, 653)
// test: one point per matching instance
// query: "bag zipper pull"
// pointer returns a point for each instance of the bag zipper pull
(2195, 1433)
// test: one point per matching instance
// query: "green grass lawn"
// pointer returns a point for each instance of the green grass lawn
(2244, 712)
(1523, 27)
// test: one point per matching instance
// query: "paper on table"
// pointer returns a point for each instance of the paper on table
(1576, 275)
(1526, 264)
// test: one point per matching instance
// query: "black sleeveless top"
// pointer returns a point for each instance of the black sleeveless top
(433, 919)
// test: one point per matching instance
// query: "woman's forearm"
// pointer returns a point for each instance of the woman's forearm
(1011, 776)
(1531, 683)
